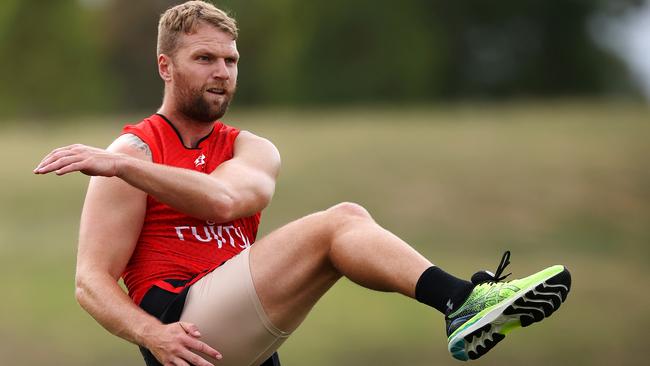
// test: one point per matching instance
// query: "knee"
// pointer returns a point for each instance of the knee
(347, 211)
(339, 219)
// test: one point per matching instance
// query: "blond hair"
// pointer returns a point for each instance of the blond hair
(185, 18)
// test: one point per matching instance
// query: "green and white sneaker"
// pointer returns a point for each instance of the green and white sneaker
(494, 308)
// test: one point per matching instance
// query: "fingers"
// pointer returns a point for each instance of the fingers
(56, 151)
(177, 362)
(50, 158)
(190, 329)
(55, 155)
(86, 159)
(203, 348)
(195, 344)
(60, 163)
(78, 166)
(194, 359)
(178, 345)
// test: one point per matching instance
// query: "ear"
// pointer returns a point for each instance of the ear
(165, 67)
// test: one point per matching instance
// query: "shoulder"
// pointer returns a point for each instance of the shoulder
(132, 145)
(255, 147)
(246, 139)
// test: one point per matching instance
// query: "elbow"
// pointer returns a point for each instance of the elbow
(222, 209)
(82, 290)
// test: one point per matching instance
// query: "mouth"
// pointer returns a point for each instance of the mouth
(217, 91)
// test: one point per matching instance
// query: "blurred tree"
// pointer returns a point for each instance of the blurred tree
(61, 56)
(387, 51)
(50, 61)
(509, 47)
(130, 35)
(336, 51)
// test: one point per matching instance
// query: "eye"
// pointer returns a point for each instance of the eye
(231, 60)
(204, 58)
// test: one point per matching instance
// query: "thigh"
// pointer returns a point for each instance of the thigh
(291, 269)
(228, 313)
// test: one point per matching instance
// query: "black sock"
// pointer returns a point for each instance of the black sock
(441, 290)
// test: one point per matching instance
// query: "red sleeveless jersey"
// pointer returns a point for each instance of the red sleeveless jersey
(173, 245)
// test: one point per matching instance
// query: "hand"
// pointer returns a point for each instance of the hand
(86, 159)
(172, 345)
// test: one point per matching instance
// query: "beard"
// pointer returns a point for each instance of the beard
(192, 103)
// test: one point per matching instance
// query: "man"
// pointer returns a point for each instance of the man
(174, 205)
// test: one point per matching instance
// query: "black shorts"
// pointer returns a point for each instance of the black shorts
(167, 307)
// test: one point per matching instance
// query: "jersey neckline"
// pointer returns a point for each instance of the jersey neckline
(180, 138)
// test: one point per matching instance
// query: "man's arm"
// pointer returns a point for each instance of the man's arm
(111, 221)
(237, 188)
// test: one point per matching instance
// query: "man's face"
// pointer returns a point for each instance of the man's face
(204, 73)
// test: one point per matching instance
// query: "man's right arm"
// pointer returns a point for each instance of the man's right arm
(111, 221)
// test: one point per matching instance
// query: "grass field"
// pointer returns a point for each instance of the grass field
(555, 183)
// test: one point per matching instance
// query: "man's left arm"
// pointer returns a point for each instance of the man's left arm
(237, 188)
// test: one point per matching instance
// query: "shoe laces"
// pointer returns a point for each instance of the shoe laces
(487, 276)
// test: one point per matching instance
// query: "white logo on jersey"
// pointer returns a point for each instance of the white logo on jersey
(228, 235)
(199, 161)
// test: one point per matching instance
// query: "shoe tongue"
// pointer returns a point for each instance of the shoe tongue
(482, 276)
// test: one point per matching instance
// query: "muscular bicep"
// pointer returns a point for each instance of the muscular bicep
(112, 217)
(251, 174)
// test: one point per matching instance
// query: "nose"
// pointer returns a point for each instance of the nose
(221, 70)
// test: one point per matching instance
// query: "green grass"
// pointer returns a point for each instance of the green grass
(556, 183)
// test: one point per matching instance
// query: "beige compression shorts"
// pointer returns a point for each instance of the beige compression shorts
(230, 317)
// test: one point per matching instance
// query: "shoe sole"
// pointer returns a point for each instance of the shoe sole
(533, 304)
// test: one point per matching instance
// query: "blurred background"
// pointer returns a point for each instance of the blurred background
(465, 127)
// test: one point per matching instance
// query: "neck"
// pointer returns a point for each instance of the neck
(190, 131)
